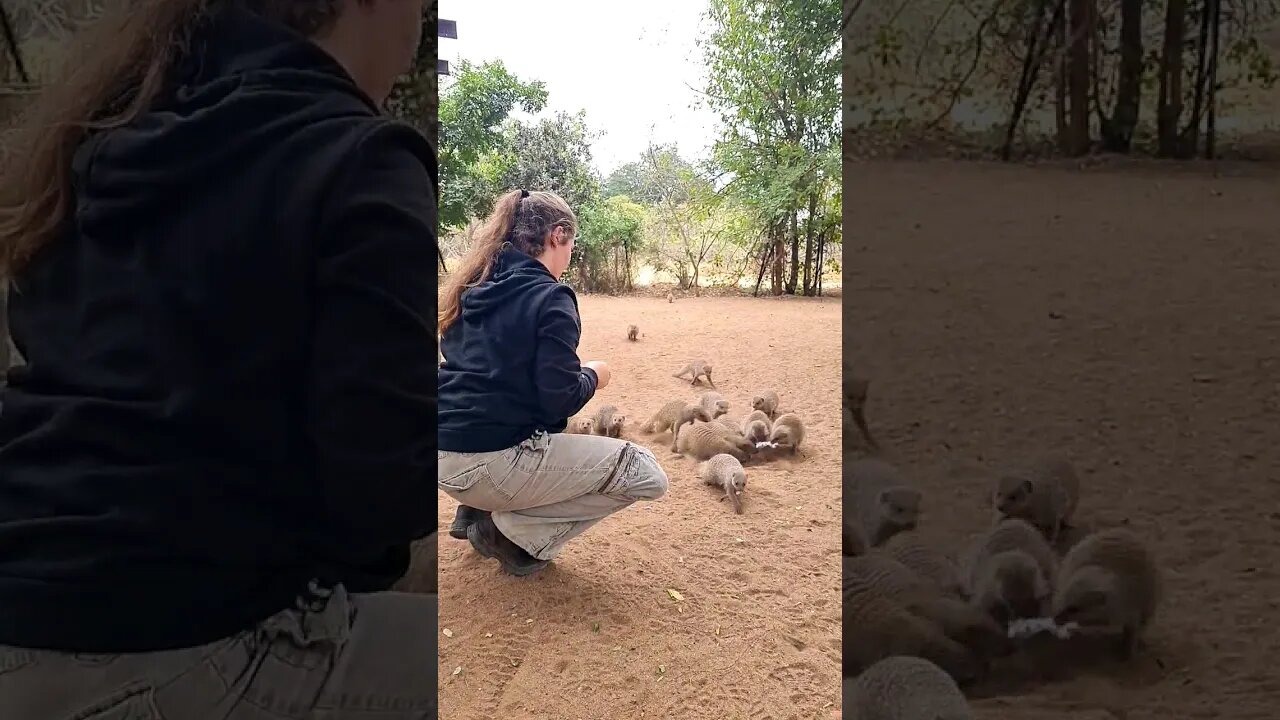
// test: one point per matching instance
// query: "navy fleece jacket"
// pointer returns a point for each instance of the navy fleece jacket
(511, 363)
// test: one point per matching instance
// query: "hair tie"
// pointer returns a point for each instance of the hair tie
(524, 194)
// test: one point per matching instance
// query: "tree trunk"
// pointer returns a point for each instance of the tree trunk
(1190, 142)
(821, 262)
(1169, 110)
(1031, 62)
(1124, 118)
(779, 257)
(766, 254)
(1078, 75)
(1062, 128)
(808, 245)
(793, 276)
(1211, 129)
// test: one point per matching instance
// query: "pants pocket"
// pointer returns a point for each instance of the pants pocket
(465, 480)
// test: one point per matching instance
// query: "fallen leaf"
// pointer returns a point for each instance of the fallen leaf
(662, 669)
(526, 622)
(595, 627)
(514, 663)
(457, 670)
(675, 595)
(488, 634)
(717, 630)
(448, 632)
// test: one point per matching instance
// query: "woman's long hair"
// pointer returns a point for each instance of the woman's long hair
(524, 221)
(122, 64)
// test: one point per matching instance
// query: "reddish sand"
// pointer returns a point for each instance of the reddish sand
(596, 635)
(1129, 316)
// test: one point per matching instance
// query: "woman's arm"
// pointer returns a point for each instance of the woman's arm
(373, 393)
(564, 385)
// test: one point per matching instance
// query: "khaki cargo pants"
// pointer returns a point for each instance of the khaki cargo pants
(552, 487)
(342, 657)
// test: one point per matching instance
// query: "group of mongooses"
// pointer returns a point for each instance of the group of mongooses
(957, 613)
(607, 420)
(703, 431)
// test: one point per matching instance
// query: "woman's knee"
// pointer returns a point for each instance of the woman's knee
(647, 481)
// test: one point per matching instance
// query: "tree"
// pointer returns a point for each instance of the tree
(550, 154)
(772, 75)
(413, 99)
(473, 111)
(1117, 131)
(690, 223)
(1169, 107)
(609, 235)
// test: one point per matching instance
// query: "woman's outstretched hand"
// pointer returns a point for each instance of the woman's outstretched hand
(603, 374)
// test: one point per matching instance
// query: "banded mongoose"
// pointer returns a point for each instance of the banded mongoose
(579, 425)
(714, 403)
(608, 421)
(880, 499)
(766, 402)
(757, 427)
(877, 572)
(855, 398)
(670, 296)
(633, 332)
(1109, 584)
(1044, 493)
(696, 369)
(700, 441)
(672, 415)
(928, 562)
(726, 473)
(874, 627)
(725, 422)
(1011, 571)
(728, 430)
(903, 687)
(788, 432)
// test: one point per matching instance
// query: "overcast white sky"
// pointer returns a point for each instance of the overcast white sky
(626, 64)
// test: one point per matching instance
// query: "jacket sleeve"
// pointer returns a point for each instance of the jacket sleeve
(372, 383)
(564, 386)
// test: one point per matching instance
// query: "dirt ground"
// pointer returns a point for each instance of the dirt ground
(1129, 316)
(596, 635)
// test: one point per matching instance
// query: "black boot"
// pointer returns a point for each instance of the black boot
(463, 519)
(491, 543)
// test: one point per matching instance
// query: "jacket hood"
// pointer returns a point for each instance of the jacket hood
(246, 85)
(514, 275)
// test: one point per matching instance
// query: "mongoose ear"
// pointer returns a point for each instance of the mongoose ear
(1026, 486)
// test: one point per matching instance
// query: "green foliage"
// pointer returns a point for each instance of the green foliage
(473, 111)
(414, 98)
(552, 154)
(773, 77)
(609, 236)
